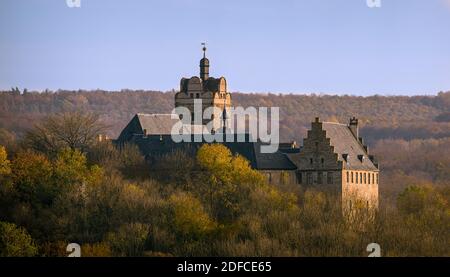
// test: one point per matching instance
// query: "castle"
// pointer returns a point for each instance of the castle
(333, 156)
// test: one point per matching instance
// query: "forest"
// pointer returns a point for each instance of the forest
(59, 185)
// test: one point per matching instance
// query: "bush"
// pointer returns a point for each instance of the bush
(129, 240)
(15, 241)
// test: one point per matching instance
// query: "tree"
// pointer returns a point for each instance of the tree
(32, 174)
(8, 140)
(129, 240)
(5, 167)
(132, 162)
(415, 199)
(15, 241)
(175, 168)
(70, 167)
(227, 182)
(75, 130)
(189, 219)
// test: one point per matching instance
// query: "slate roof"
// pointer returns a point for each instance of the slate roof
(157, 123)
(154, 146)
(344, 142)
(153, 124)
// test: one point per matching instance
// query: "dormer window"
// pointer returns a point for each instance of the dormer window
(361, 158)
(345, 157)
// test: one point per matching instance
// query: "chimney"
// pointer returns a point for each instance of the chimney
(353, 125)
(293, 144)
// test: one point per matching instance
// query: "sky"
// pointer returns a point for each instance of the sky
(278, 46)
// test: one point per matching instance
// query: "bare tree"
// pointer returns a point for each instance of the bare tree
(76, 130)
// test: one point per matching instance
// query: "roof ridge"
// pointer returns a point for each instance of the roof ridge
(155, 114)
(336, 123)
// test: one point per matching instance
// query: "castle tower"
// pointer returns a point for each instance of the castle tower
(211, 91)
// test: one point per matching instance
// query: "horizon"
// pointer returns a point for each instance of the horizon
(263, 93)
(328, 48)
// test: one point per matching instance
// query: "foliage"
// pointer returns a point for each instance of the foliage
(129, 239)
(31, 173)
(75, 130)
(189, 219)
(111, 202)
(15, 241)
(5, 167)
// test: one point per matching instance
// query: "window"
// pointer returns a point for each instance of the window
(356, 177)
(322, 160)
(309, 178)
(352, 177)
(311, 161)
(377, 177)
(330, 178)
(319, 177)
(365, 178)
(197, 95)
(270, 177)
(348, 177)
(299, 177)
(360, 178)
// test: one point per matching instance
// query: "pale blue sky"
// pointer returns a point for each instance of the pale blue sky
(298, 46)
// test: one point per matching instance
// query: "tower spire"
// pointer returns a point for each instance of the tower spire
(204, 49)
(204, 64)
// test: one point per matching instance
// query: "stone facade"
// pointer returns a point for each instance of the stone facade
(211, 91)
(334, 158)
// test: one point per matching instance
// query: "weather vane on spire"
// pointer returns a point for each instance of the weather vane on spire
(204, 49)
